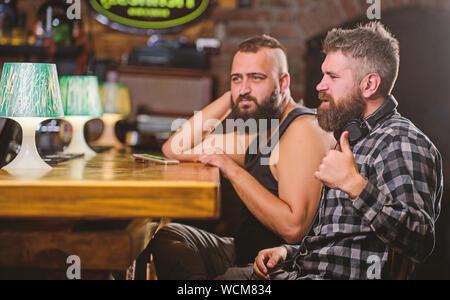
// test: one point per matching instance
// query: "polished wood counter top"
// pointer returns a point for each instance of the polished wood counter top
(112, 185)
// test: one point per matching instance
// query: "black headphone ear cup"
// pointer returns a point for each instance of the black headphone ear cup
(358, 129)
(355, 131)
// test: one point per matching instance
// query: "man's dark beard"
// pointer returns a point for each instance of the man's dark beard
(336, 116)
(270, 108)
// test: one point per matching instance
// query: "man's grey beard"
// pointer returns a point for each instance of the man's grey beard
(270, 109)
(336, 116)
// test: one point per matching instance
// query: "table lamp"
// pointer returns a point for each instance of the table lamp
(117, 105)
(29, 94)
(81, 102)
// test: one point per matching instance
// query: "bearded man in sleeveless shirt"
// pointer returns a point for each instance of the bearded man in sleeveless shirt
(277, 186)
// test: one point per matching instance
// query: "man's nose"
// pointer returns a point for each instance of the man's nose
(245, 88)
(321, 86)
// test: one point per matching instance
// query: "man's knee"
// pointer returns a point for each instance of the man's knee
(168, 239)
(172, 231)
(175, 254)
(166, 247)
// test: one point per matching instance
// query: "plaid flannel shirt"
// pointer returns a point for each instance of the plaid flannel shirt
(396, 210)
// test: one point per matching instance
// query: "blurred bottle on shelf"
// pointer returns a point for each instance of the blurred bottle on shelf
(53, 24)
(8, 19)
(19, 35)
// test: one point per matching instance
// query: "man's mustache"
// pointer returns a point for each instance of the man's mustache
(325, 97)
(245, 97)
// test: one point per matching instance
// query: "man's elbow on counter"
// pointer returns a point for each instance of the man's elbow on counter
(166, 150)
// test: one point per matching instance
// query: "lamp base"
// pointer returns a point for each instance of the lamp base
(28, 157)
(78, 143)
(108, 137)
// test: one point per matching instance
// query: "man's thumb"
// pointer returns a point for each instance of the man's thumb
(345, 145)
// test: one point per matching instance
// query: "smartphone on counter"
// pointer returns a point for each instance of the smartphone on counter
(155, 159)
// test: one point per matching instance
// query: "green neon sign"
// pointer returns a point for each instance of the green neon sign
(150, 14)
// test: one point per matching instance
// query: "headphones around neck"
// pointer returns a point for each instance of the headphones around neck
(360, 128)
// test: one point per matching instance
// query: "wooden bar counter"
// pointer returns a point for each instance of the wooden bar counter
(99, 209)
(112, 185)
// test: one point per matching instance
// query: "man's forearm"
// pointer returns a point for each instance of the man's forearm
(197, 128)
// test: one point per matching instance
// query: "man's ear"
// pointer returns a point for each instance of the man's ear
(370, 85)
(285, 82)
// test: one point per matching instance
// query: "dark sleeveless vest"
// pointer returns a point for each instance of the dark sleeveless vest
(252, 236)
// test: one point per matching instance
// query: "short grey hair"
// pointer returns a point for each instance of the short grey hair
(373, 45)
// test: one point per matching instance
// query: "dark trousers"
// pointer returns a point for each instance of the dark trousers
(182, 252)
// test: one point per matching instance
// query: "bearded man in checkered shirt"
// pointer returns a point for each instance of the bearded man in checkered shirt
(382, 192)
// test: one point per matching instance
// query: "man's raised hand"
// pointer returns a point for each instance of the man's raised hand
(339, 170)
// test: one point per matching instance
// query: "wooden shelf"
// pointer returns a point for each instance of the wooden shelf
(163, 71)
(38, 51)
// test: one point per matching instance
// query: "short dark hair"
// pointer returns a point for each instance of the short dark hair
(254, 44)
(372, 44)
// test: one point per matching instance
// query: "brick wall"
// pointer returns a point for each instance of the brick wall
(293, 22)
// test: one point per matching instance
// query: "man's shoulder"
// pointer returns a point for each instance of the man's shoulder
(302, 125)
(304, 119)
(305, 131)
(398, 125)
(398, 130)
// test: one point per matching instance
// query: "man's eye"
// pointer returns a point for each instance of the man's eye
(235, 79)
(257, 78)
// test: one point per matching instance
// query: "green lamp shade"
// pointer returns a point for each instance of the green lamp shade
(30, 90)
(115, 98)
(80, 96)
